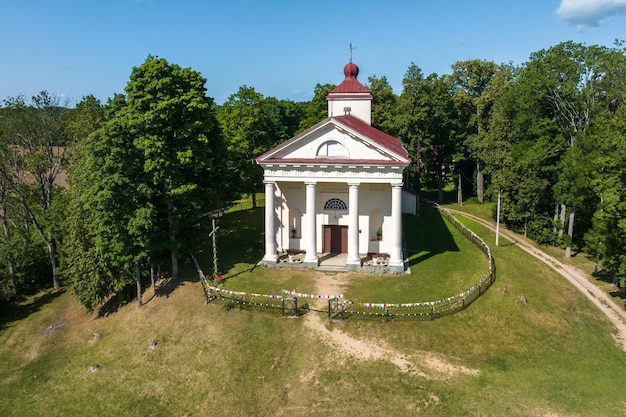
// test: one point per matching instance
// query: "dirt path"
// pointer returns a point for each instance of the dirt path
(424, 364)
(575, 276)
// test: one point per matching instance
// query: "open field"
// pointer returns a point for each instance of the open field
(554, 356)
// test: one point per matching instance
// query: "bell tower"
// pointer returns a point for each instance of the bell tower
(350, 97)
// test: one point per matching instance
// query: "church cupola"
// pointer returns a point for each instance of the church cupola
(350, 97)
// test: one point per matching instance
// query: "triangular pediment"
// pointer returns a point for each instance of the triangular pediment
(340, 140)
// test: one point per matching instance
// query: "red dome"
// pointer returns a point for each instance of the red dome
(351, 70)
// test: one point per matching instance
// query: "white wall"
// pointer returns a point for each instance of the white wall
(360, 108)
(371, 197)
(356, 149)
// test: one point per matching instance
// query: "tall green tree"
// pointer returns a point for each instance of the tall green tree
(521, 150)
(173, 124)
(606, 145)
(472, 94)
(7, 249)
(384, 104)
(36, 138)
(284, 118)
(106, 178)
(442, 130)
(247, 130)
(410, 121)
(143, 180)
(316, 110)
(571, 80)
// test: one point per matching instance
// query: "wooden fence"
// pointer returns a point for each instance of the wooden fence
(421, 309)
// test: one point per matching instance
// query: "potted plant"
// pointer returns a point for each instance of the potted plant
(375, 260)
(379, 233)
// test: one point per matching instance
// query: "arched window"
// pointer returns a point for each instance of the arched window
(332, 148)
(335, 204)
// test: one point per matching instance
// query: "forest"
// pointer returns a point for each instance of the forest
(96, 196)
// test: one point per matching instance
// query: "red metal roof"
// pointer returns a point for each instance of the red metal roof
(381, 138)
(334, 161)
(386, 142)
(350, 84)
(349, 88)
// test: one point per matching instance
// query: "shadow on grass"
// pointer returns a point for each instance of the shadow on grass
(119, 299)
(165, 285)
(610, 278)
(22, 308)
(431, 224)
(239, 240)
(604, 276)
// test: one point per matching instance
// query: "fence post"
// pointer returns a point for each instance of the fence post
(294, 305)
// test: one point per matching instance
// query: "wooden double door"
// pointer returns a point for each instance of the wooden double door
(335, 239)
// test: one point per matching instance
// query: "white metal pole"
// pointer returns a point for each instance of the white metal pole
(498, 220)
(214, 248)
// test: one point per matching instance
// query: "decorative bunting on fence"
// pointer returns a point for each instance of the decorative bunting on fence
(303, 295)
(446, 304)
(245, 294)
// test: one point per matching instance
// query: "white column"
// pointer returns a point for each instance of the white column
(353, 259)
(310, 235)
(270, 227)
(396, 261)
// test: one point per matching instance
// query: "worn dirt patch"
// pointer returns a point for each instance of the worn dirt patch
(420, 363)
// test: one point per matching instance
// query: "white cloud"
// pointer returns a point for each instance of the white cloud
(586, 13)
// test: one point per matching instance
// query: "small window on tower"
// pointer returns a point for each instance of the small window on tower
(332, 148)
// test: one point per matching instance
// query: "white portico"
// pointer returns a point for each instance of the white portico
(337, 187)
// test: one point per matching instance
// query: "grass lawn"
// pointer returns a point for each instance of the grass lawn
(554, 356)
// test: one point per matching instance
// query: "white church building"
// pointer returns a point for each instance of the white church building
(336, 188)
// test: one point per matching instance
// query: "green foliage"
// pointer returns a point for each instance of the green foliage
(607, 237)
(384, 104)
(410, 119)
(555, 355)
(36, 135)
(30, 262)
(284, 118)
(249, 124)
(143, 180)
(316, 110)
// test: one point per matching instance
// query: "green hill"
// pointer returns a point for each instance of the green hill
(554, 356)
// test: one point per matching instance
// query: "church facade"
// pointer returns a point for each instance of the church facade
(337, 187)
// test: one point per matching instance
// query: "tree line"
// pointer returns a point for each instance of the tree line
(99, 195)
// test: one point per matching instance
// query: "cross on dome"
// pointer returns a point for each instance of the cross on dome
(350, 47)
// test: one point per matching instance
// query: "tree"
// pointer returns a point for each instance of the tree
(316, 110)
(442, 130)
(143, 180)
(6, 244)
(36, 135)
(384, 104)
(284, 118)
(522, 150)
(105, 179)
(572, 81)
(247, 129)
(607, 237)
(472, 80)
(410, 121)
(173, 124)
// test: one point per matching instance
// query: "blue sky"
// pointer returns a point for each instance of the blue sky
(281, 48)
